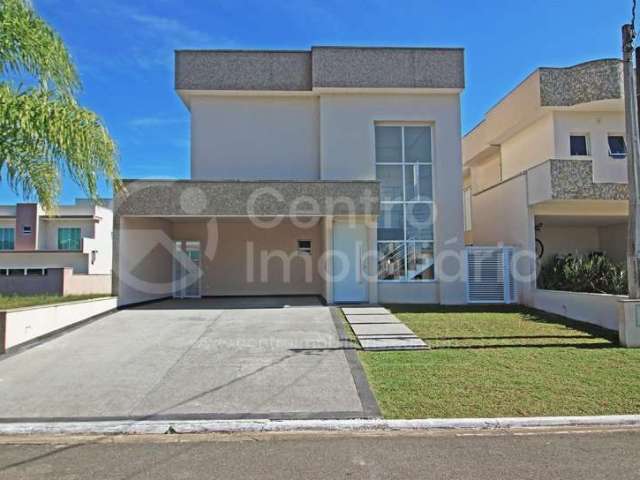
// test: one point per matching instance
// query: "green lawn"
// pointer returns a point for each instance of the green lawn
(17, 301)
(511, 361)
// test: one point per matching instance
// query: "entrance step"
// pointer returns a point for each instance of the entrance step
(376, 328)
(381, 329)
(365, 311)
(393, 344)
(367, 319)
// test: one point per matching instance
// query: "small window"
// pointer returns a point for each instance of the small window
(69, 239)
(579, 145)
(26, 229)
(617, 147)
(39, 272)
(304, 247)
(7, 239)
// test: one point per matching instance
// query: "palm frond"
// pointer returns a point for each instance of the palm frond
(42, 134)
(29, 45)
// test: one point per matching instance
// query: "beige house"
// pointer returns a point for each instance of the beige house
(546, 171)
(333, 172)
(68, 251)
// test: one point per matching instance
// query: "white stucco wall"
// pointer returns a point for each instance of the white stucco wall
(598, 125)
(595, 308)
(348, 152)
(48, 231)
(529, 147)
(24, 324)
(76, 260)
(501, 215)
(562, 240)
(243, 137)
(232, 257)
(613, 241)
(145, 260)
(331, 137)
(486, 173)
(102, 243)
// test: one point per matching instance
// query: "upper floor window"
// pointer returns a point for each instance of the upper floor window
(69, 238)
(26, 230)
(405, 223)
(7, 238)
(579, 145)
(617, 147)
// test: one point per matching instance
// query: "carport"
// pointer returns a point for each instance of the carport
(217, 238)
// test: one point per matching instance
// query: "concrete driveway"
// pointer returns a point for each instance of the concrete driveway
(210, 358)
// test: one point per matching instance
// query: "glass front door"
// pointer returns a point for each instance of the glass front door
(187, 272)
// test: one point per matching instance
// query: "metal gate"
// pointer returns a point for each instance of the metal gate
(489, 275)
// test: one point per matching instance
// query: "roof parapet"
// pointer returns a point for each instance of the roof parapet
(320, 67)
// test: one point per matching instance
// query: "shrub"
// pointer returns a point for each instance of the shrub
(593, 273)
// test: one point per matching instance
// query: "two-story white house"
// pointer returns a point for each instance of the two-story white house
(546, 170)
(68, 251)
(333, 172)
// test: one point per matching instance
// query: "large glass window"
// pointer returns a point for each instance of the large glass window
(69, 238)
(7, 238)
(405, 225)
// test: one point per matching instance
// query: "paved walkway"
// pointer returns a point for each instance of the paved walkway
(378, 329)
(191, 359)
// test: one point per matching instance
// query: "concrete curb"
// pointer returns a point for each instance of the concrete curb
(354, 425)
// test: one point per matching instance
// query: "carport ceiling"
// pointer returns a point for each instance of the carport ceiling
(581, 220)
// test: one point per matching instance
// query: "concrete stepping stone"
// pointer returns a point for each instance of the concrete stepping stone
(382, 330)
(365, 311)
(393, 344)
(354, 319)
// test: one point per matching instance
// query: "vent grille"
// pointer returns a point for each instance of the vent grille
(489, 275)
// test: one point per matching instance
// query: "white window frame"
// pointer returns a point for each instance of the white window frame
(304, 250)
(466, 195)
(402, 202)
(624, 139)
(14, 238)
(587, 138)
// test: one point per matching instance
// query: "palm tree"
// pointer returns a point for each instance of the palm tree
(44, 133)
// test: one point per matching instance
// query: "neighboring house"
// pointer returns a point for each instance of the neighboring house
(68, 251)
(548, 162)
(338, 148)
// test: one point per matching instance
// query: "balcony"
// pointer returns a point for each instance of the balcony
(564, 179)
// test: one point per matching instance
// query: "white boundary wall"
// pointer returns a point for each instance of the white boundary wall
(595, 308)
(24, 324)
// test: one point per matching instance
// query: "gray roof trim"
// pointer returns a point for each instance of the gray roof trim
(582, 83)
(242, 70)
(320, 67)
(246, 198)
(343, 67)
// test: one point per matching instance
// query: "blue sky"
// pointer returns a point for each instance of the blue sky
(124, 52)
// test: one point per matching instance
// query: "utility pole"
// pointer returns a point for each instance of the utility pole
(633, 159)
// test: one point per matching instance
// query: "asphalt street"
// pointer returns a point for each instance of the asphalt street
(548, 455)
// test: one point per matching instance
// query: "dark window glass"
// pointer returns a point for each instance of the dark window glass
(617, 147)
(578, 144)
